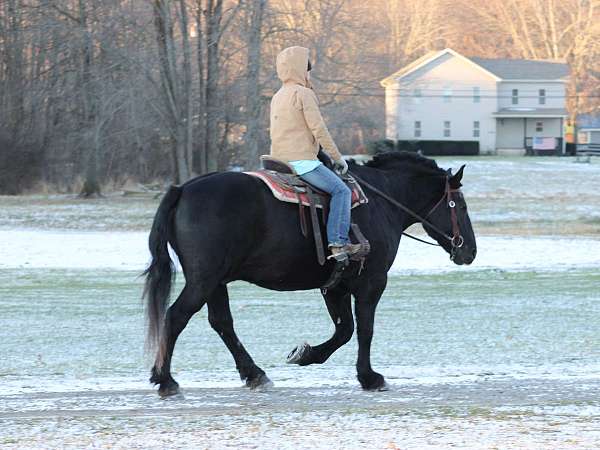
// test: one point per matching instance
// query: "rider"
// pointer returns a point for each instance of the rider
(297, 130)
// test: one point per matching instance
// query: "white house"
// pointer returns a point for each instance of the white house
(493, 105)
(588, 133)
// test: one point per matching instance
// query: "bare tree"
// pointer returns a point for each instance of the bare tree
(200, 145)
(415, 27)
(175, 86)
(547, 29)
(254, 19)
(96, 92)
(214, 15)
(14, 46)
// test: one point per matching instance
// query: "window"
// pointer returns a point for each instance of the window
(447, 95)
(417, 128)
(417, 96)
(446, 128)
(539, 127)
(476, 128)
(542, 97)
(515, 96)
(476, 94)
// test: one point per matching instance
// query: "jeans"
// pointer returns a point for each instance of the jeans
(338, 221)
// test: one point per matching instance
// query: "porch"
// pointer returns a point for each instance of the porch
(531, 131)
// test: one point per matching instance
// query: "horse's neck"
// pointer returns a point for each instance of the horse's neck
(418, 196)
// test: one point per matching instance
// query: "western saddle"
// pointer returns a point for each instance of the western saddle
(287, 186)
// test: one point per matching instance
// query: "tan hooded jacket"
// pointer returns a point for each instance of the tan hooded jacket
(297, 127)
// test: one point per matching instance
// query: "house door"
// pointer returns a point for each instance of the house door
(510, 133)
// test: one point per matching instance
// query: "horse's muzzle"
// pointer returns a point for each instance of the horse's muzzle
(462, 255)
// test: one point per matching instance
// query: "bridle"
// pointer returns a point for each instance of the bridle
(456, 240)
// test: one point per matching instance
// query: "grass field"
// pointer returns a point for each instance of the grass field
(503, 354)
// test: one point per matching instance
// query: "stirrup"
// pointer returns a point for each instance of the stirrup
(339, 257)
(345, 253)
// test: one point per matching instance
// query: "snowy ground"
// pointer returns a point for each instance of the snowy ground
(503, 354)
(36, 249)
(491, 415)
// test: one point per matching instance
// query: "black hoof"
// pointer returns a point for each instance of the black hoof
(259, 383)
(169, 389)
(300, 355)
(384, 387)
(373, 382)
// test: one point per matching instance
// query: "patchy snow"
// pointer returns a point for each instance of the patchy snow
(504, 253)
(320, 378)
(129, 251)
(73, 249)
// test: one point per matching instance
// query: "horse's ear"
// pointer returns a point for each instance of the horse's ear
(455, 179)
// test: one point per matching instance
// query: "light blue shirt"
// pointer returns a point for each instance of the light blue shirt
(305, 165)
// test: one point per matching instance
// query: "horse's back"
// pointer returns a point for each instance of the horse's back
(231, 220)
(213, 215)
(220, 187)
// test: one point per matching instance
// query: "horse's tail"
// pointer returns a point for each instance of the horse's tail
(161, 271)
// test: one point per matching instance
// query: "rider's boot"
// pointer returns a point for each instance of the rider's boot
(341, 252)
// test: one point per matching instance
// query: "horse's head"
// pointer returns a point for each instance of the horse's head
(451, 224)
(435, 194)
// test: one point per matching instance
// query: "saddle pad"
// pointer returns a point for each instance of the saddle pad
(290, 188)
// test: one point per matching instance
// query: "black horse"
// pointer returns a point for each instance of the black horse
(228, 226)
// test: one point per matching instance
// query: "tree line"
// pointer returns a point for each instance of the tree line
(95, 93)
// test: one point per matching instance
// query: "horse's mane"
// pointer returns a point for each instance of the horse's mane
(405, 160)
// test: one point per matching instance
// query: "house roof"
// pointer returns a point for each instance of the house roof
(426, 59)
(586, 121)
(410, 67)
(499, 69)
(531, 112)
(524, 69)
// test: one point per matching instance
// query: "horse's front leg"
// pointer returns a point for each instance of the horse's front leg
(366, 299)
(338, 303)
(220, 319)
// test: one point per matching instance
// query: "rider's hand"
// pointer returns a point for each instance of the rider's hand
(340, 166)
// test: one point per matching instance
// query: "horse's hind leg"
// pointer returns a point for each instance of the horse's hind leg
(188, 303)
(339, 305)
(220, 319)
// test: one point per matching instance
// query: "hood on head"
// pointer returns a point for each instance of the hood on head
(292, 65)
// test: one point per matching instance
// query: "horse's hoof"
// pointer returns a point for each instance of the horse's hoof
(299, 355)
(169, 389)
(260, 383)
(384, 387)
(374, 382)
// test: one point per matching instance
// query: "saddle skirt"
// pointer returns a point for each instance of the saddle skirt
(292, 189)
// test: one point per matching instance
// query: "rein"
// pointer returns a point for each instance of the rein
(456, 240)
